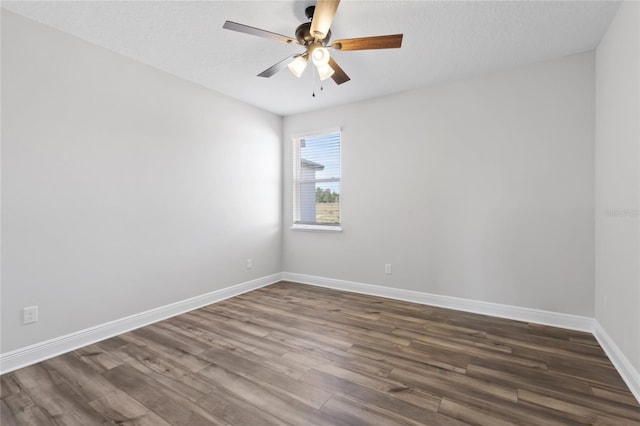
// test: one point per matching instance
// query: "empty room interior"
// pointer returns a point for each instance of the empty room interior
(320, 213)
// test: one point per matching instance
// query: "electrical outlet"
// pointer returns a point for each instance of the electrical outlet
(387, 268)
(249, 263)
(29, 315)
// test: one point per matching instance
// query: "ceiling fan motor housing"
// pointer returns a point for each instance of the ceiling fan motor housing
(303, 32)
(305, 38)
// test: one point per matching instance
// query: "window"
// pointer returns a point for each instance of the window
(316, 181)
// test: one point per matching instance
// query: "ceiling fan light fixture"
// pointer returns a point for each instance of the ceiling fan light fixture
(298, 65)
(324, 71)
(320, 56)
(314, 36)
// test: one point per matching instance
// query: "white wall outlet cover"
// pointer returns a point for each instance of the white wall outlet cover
(29, 315)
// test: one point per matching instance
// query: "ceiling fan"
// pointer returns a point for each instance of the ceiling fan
(315, 37)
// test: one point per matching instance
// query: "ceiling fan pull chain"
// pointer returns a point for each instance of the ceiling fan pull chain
(313, 82)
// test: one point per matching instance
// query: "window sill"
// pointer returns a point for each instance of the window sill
(315, 228)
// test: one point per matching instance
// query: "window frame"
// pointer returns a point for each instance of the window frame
(296, 180)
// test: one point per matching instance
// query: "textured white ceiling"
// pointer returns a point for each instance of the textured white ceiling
(442, 41)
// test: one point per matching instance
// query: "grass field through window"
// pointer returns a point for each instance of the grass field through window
(328, 212)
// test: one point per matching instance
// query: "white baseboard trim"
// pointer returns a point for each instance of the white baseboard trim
(629, 374)
(555, 319)
(23, 357)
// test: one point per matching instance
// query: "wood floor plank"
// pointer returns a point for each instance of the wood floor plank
(267, 378)
(269, 359)
(574, 411)
(354, 413)
(8, 386)
(614, 395)
(275, 403)
(594, 405)
(262, 349)
(523, 377)
(111, 344)
(80, 375)
(164, 345)
(56, 398)
(286, 366)
(169, 405)
(228, 322)
(165, 371)
(97, 358)
(19, 409)
(472, 415)
(475, 340)
(379, 401)
(595, 373)
(556, 346)
(334, 317)
(119, 407)
(390, 387)
(427, 343)
(452, 380)
(324, 329)
(314, 357)
(149, 419)
(169, 337)
(292, 354)
(236, 411)
(247, 340)
(481, 401)
(437, 357)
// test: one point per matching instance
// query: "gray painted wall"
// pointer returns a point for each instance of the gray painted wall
(123, 187)
(617, 202)
(480, 189)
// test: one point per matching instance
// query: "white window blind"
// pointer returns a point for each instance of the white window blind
(316, 181)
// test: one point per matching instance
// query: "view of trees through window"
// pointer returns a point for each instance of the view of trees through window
(326, 196)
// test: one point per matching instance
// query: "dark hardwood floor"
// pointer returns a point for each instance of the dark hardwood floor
(291, 354)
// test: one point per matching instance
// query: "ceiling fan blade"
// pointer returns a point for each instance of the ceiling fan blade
(241, 28)
(391, 41)
(339, 76)
(323, 17)
(274, 69)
